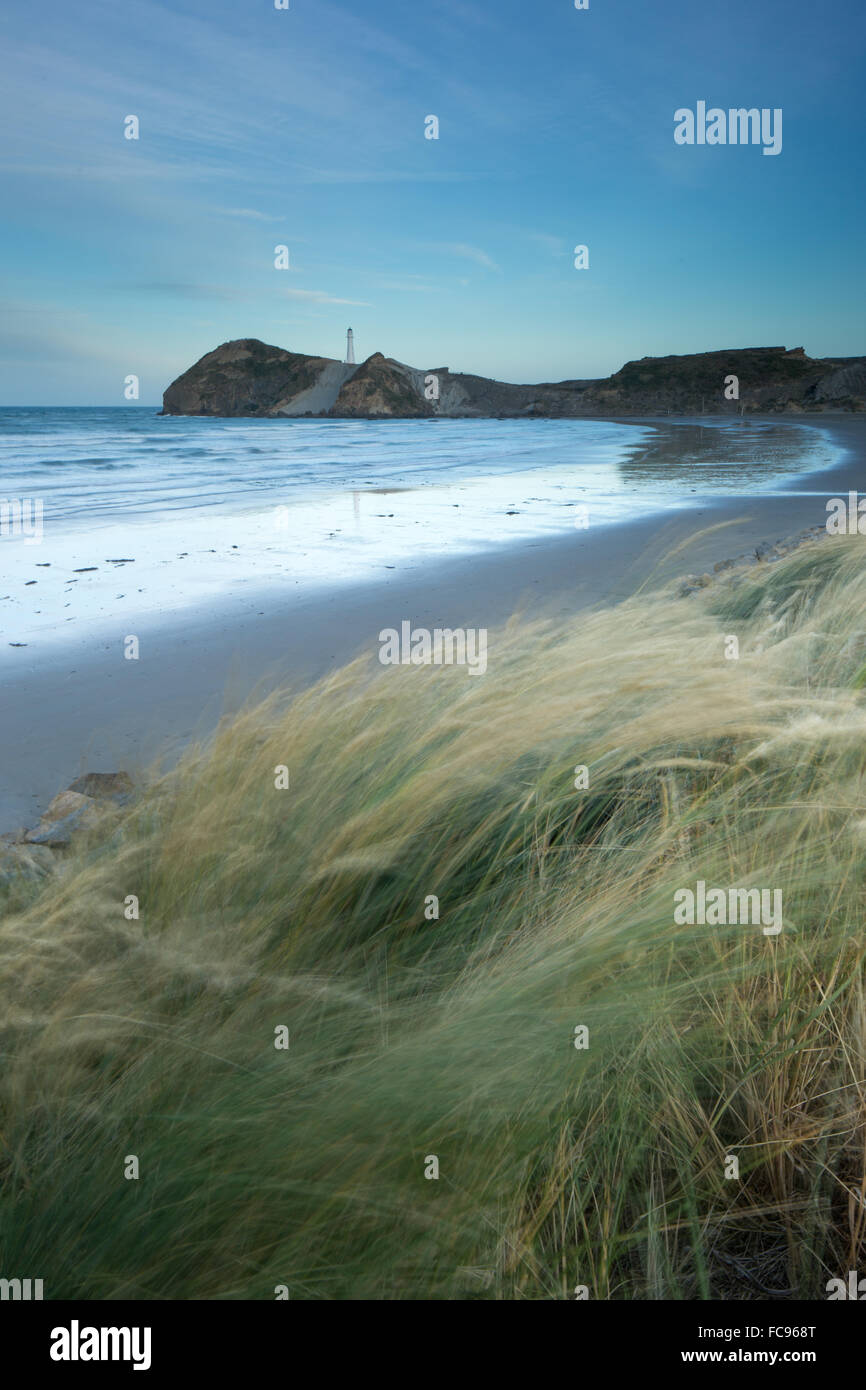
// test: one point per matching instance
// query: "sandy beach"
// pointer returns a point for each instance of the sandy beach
(86, 709)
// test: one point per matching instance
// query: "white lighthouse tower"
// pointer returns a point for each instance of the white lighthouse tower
(350, 346)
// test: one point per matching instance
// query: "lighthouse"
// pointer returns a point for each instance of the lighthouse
(350, 346)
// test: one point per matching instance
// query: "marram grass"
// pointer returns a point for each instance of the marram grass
(559, 1167)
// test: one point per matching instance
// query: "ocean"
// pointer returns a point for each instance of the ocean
(143, 514)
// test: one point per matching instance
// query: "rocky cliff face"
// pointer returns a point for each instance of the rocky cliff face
(382, 386)
(244, 377)
(768, 379)
(248, 377)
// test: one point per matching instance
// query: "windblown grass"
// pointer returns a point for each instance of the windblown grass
(453, 1037)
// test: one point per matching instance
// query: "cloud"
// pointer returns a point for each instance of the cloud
(309, 174)
(321, 297)
(465, 252)
(246, 212)
(407, 284)
(403, 281)
(556, 245)
(180, 289)
(236, 294)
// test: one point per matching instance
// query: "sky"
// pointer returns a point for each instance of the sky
(305, 127)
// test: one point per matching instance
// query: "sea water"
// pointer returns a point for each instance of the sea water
(143, 514)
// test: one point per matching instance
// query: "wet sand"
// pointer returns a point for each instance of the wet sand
(68, 712)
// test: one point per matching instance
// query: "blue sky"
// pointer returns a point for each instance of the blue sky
(305, 127)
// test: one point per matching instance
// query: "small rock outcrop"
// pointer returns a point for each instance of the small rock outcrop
(103, 786)
(24, 861)
(68, 813)
(28, 853)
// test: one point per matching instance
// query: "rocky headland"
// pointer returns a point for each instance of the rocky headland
(249, 378)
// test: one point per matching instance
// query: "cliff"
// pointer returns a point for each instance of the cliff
(769, 379)
(250, 378)
(244, 377)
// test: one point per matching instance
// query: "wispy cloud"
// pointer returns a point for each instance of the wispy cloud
(181, 289)
(554, 245)
(404, 284)
(463, 251)
(309, 174)
(237, 294)
(250, 213)
(321, 297)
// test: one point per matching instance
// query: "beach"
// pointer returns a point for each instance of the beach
(80, 706)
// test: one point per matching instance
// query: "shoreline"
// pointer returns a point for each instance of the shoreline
(219, 516)
(75, 712)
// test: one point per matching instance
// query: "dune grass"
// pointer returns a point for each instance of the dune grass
(411, 1037)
